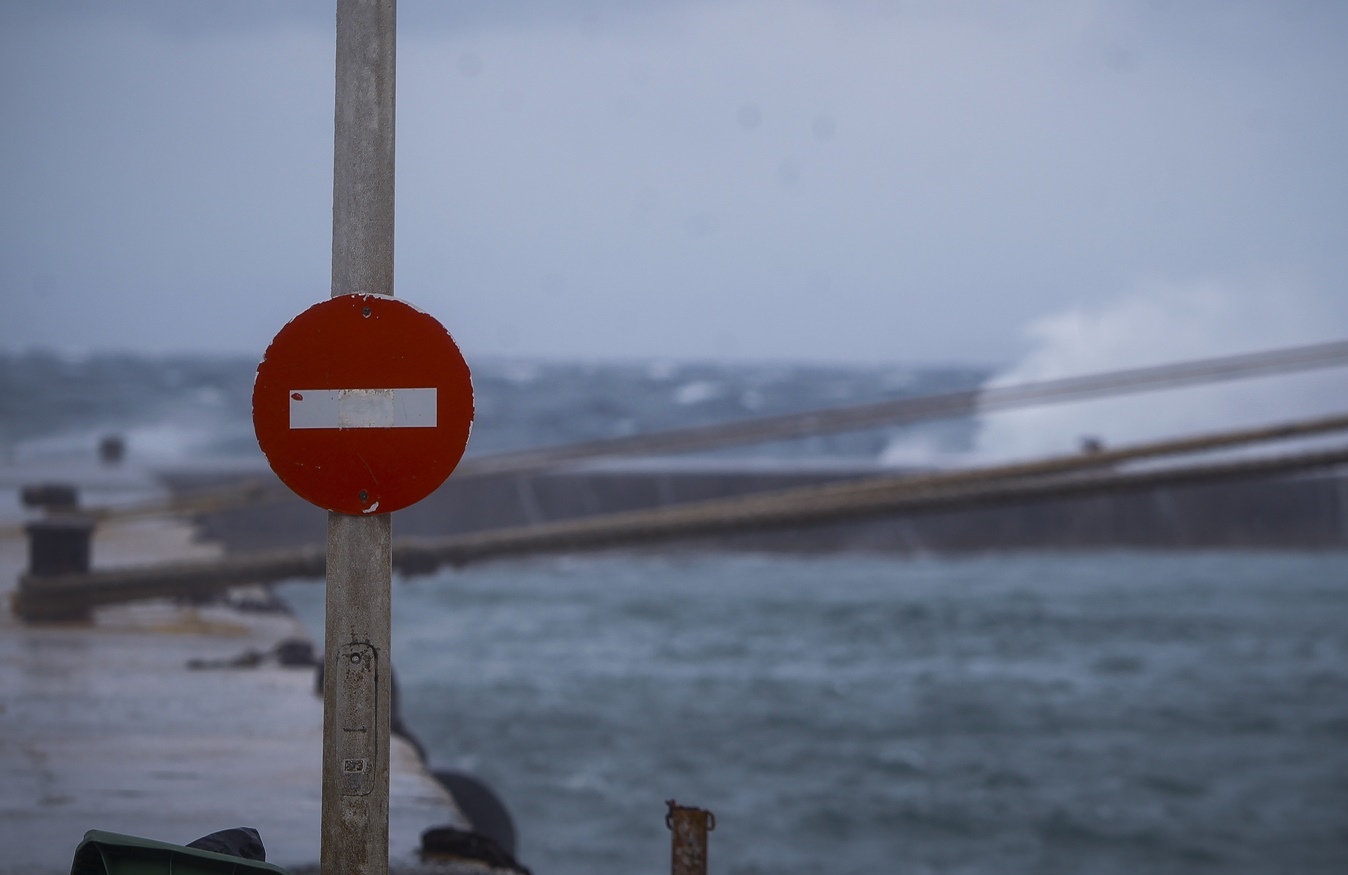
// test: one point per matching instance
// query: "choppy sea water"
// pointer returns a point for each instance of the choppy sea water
(1095, 713)
(185, 409)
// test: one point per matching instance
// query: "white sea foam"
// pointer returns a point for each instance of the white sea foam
(1157, 324)
(920, 449)
(697, 391)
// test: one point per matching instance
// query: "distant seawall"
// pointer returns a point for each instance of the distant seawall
(1299, 512)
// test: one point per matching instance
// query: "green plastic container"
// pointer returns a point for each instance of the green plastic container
(110, 853)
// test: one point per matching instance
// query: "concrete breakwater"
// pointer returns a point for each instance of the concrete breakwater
(170, 718)
(1306, 511)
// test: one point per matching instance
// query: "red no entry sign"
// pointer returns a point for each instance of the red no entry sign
(363, 404)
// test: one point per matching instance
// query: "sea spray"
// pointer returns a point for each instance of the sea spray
(1158, 324)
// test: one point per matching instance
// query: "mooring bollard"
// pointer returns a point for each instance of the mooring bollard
(50, 497)
(59, 545)
(688, 843)
(112, 449)
(56, 546)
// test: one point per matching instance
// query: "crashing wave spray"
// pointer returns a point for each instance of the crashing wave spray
(1161, 323)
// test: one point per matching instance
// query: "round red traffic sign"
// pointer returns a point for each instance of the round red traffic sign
(363, 404)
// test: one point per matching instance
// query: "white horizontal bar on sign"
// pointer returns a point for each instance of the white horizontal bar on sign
(362, 408)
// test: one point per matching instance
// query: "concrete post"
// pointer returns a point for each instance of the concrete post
(356, 681)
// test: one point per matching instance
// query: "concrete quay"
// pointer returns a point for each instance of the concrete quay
(168, 720)
(1307, 511)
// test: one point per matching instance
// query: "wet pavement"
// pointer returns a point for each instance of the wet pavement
(168, 721)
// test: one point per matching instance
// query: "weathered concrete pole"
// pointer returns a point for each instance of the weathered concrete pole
(356, 680)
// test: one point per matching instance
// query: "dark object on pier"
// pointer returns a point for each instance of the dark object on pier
(112, 449)
(483, 808)
(296, 652)
(247, 659)
(50, 496)
(241, 841)
(59, 546)
(110, 853)
(290, 653)
(448, 843)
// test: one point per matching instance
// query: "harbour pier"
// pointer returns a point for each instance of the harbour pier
(170, 719)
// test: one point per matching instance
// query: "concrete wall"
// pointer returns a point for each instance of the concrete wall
(1296, 513)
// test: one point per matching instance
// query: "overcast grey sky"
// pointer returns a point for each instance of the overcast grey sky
(750, 179)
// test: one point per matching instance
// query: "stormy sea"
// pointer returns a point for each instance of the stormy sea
(1091, 712)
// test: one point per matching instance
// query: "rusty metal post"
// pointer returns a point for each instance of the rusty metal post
(357, 680)
(688, 842)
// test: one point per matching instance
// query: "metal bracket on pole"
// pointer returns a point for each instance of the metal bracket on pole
(359, 560)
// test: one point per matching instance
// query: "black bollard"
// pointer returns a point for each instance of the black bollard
(59, 545)
(56, 546)
(50, 496)
(112, 449)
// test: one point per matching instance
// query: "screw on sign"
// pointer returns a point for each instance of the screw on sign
(363, 404)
